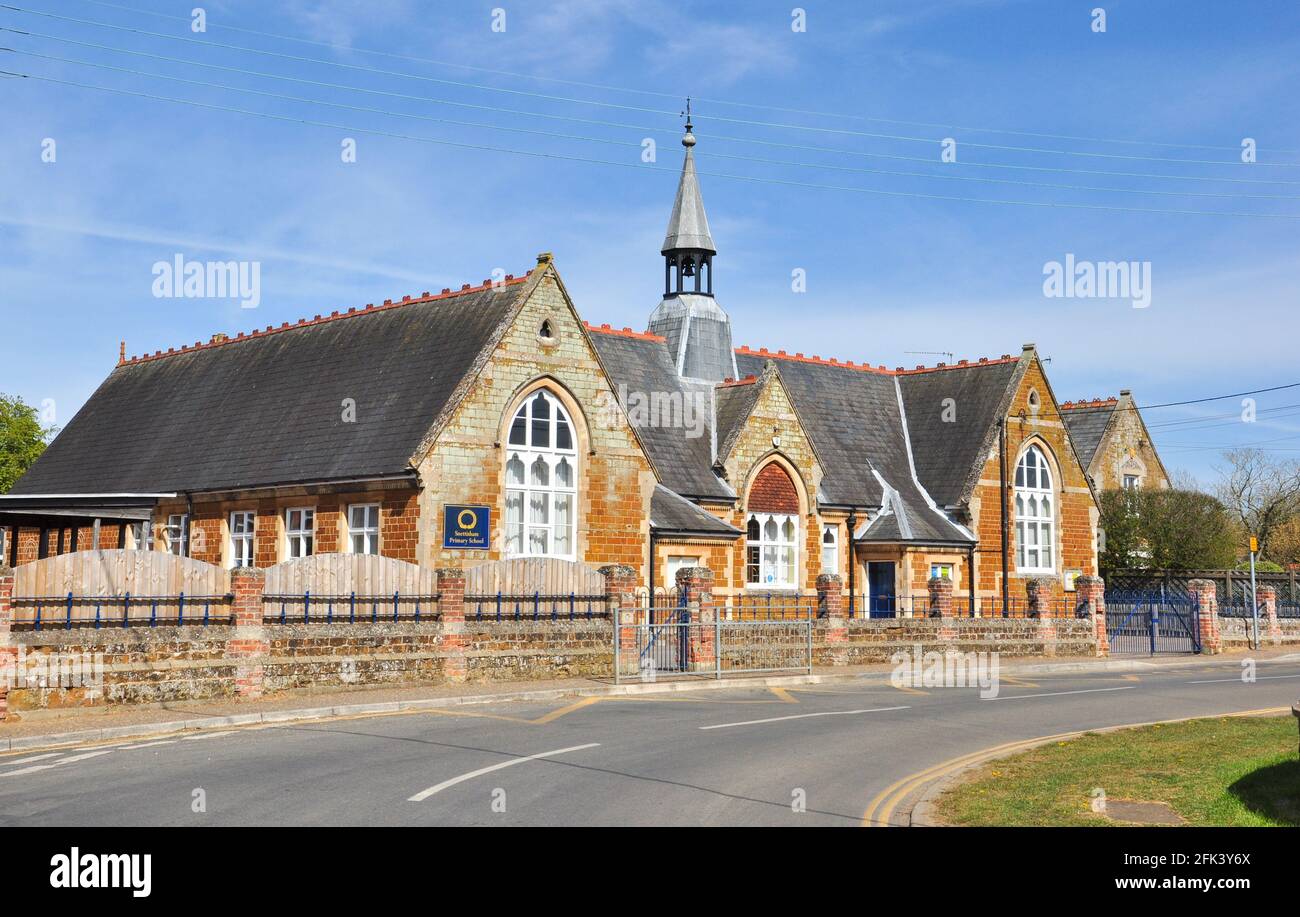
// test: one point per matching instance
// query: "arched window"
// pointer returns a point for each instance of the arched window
(772, 530)
(1035, 506)
(541, 480)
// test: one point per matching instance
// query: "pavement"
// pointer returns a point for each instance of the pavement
(843, 749)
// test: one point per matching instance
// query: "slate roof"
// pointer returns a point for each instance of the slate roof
(267, 409)
(1087, 425)
(671, 513)
(688, 226)
(735, 402)
(641, 364)
(855, 418)
(947, 452)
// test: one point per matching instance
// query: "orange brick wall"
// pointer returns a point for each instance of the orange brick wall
(466, 463)
(1076, 513)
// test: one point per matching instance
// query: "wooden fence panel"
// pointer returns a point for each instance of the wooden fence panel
(529, 575)
(343, 574)
(154, 580)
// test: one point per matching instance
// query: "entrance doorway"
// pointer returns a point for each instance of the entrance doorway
(881, 599)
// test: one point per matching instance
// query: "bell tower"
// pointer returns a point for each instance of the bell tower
(698, 331)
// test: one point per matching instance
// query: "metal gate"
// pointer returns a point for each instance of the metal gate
(728, 638)
(662, 643)
(1151, 623)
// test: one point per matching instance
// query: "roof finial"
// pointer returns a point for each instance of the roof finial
(688, 140)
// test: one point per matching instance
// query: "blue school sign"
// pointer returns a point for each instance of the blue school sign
(466, 526)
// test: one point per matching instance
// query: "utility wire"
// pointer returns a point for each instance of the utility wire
(852, 189)
(1187, 423)
(615, 124)
(1174, 404)
(579, 101)
(667, 95)
(606, 140)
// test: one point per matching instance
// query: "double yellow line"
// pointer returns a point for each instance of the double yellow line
(880, 812)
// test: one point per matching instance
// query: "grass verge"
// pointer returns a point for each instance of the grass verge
(1230, 771)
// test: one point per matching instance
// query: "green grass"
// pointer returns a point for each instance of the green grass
(1217, 772)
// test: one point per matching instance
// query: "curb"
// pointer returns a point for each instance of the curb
(199, 724)
(209, 723)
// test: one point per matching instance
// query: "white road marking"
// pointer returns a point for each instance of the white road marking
(147, 745)
(1215, 681)
(208, 735)
(53, 754)
(803, 716)
(425, 794)
(1058, 693)
(45, 767)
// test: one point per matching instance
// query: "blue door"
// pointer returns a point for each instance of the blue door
(880, 589)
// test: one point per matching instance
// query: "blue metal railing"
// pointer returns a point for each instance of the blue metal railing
(536, 606)
(343, 608)
(71, 610)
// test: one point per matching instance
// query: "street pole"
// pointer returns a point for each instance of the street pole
(1254, 603)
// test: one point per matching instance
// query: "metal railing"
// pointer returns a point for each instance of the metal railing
(709, 646)
(536, 607)
(310, 608)
(40, 612)
(963, 606)
(766, 606)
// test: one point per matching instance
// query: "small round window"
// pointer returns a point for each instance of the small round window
(546, 332)
(1034, 401)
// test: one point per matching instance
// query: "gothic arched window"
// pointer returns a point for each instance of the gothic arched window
(1035, 513)
(541, 480)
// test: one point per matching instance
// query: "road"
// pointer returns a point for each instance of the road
(850, 751)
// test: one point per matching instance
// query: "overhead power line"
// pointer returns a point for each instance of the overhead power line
(637, 127)
(851, 189)
(666, 95)
(1176, 404)
(616, 105)
(587, 139)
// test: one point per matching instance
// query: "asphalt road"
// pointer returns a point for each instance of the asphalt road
(745, 756)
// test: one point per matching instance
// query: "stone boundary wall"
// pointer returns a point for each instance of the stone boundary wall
(250, 658)
(873, 641)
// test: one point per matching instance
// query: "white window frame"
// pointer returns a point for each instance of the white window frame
(1135, 478)
(528, 497)
(936, 569)
(242, 524)
(302, 537)
(1035, 513)
(369, 534)
(174, 534)
(833, 547)
(778, 557)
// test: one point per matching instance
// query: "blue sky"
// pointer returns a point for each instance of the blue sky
(136, 180)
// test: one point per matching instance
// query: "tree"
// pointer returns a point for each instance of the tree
(1284, 547)
(1166, 530)
(1262, 493)
(22, 439)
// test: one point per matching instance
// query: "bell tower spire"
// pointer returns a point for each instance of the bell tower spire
(697, 330)
(688, 247)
